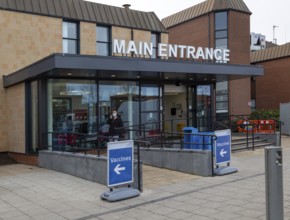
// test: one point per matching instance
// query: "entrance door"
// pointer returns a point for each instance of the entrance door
(175, 107)
(203, 104)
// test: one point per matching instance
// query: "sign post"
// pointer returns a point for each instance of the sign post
(120, 170)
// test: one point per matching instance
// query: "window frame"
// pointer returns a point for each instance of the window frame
(108, 43)
(76, 40)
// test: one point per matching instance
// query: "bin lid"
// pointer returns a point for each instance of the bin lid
(192, 129)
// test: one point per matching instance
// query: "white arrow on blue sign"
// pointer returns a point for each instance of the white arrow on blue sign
(120, 163)
(223, 146)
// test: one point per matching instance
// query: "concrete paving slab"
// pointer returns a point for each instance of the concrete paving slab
(28, 192)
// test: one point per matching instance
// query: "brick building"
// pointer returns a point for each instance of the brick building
(273, 88)
(79, 60)
(219, 24)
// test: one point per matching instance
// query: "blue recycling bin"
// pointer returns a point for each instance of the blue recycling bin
(204, 142)
(189, 137)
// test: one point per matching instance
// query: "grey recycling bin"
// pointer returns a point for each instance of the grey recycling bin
(190, 137)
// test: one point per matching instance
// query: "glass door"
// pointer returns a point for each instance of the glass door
(151, 106)
(122, 96)
(203, 107)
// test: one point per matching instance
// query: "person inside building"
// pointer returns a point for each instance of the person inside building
(116, 126)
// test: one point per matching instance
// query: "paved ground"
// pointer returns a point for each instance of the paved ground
(33, 193)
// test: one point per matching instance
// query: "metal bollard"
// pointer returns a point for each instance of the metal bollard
(274, 183)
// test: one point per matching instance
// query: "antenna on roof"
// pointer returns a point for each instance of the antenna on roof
(274, 39)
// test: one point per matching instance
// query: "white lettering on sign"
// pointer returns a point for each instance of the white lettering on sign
(170, 50)
(120, 159)
(223, 144)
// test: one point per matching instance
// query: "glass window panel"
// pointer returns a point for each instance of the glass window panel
(221, 43)
(73, 106)
(69, 30)
(122, 96)
(221, 21)
(222, 97)
(103, 34)
(221, 34)
(154, 39)
(102, 49)
(69, 46)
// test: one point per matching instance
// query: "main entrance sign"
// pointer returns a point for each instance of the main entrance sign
(170, 50)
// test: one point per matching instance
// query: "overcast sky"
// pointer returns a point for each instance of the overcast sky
(265, 13)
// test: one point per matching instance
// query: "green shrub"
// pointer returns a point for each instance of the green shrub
(265, 114)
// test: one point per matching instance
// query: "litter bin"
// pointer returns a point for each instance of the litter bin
(204, 142)
(189, 137)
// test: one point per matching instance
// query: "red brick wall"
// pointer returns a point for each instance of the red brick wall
(239, 44)
(24, 158)
(194, 32)
(199, 32)
(239, 37)
(274, 87)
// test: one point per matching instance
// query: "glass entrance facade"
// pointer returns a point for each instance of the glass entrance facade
(84, 106)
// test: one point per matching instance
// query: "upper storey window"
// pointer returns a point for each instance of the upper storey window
(70, 37)
(221, 30)
(155, 40)
(103, 41)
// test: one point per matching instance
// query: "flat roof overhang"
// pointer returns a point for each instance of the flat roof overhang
(89, 66)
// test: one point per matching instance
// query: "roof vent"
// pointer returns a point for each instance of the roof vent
(127, 6)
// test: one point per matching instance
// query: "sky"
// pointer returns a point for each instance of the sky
(265, 13)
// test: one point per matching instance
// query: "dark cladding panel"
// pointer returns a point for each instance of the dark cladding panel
(36, 6)
(125, 17)
(109, 14)
(28, 5)
(57, 7)
(78, 10)
(3, 4)
(145, 20)
(151, 22)
(131, 21)
(65, 10)
(98, 14)
(20, 5)
(141, 20)
(91, 11)
(84, 9)
(87, 11)
(51, 8)
(72, 9)
(43, 7)
(104, 15)
(12, 4)
(119, 20)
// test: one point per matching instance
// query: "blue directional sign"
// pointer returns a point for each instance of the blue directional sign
(120, 163)
(223, 146)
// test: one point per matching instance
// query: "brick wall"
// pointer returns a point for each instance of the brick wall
(199, 32)
(273, 88)
(16, 123)
(88, 42)
(24, 158)
(24, 39)
(194, 32)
